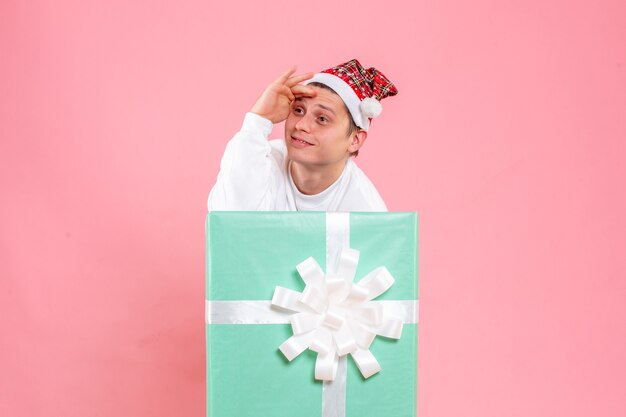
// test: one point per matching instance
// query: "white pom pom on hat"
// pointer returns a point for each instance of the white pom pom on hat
(370, 107)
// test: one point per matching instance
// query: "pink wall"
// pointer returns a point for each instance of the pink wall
(508, 137)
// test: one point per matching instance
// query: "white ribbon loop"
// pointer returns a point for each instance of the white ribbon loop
(362, 336)
(322, 342)
(334, 318)
(304, 322)
(390, 328)
(326, 366)
(344, 341)
(286, 298)
(314, 298)
(348, 261)
(295, 345)
(357, 295)
(377, 282)
(343, 320)
(310, 271)
(336, 288)
(366, 362)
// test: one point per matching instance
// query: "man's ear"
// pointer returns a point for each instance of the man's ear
(358, 139)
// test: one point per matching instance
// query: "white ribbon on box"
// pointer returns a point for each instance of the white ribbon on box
(333, 316)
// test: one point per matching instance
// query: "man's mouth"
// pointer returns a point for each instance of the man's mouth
(300, 141)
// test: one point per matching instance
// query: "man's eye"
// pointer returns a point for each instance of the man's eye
(322, 119)
(298, 110)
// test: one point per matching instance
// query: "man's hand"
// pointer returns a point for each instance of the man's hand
(275, 102)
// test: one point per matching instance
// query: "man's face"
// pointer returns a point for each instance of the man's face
(316, 131)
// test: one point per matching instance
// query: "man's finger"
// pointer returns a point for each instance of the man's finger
(297, 79)
(285, 76)
(303, 91)
(287, 91)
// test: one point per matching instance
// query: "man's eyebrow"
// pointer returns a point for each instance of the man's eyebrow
(326, 108)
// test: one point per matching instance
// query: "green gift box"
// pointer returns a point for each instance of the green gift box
(249, 255)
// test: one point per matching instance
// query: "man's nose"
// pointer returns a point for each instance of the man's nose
(304, 123)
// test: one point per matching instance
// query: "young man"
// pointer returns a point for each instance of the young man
(327, 117)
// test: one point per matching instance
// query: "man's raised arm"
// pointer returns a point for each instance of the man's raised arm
(248, 176)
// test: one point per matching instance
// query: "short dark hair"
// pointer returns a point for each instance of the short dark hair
(352, 127)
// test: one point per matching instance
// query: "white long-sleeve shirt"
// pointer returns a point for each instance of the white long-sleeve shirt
(255, 175)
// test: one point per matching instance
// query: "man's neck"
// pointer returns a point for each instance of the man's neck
(312, 180)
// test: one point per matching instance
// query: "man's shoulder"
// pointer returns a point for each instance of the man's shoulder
(362, 190)
(353, 170)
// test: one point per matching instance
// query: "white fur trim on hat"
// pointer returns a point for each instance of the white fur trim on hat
(347, 94)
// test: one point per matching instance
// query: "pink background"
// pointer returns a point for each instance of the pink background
(508, 137)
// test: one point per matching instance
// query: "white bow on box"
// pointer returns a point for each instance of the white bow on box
(335, 316)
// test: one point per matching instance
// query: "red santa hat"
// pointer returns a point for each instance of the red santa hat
(361, 89)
